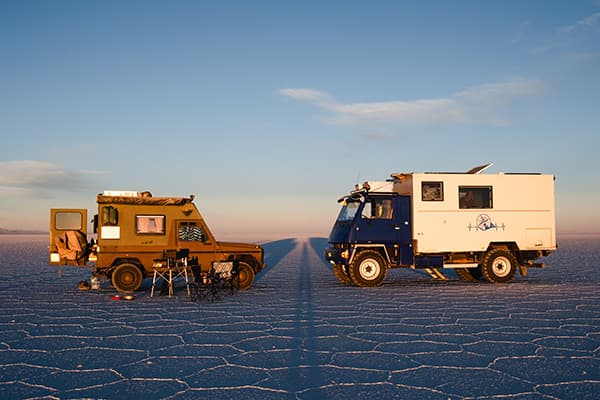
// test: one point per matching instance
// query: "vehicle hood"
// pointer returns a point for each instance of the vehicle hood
(229, 246)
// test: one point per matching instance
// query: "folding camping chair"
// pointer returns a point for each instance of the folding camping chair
(172, 266)
(218, 279)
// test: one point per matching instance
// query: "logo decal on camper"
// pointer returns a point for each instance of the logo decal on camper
(484, 223)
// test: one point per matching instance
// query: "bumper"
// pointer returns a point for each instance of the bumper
(337, 256)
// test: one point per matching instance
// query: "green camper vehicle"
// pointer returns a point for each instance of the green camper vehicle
(134, 229)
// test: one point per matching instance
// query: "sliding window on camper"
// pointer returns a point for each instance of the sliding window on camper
(474, 197)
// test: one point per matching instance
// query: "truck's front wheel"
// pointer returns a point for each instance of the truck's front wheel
(245, 277)
(127, 278)
(367, 269)
(498, 265)
(339, 271)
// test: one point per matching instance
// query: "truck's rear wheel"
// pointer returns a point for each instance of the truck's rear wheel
(498, 265)
(127, 278)
(245, 277)
(367, 269)
(340, 274)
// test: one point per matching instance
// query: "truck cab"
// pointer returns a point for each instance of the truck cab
(374, 227)
(378, 220)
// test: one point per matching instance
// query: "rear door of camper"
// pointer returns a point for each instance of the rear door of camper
(63, 220)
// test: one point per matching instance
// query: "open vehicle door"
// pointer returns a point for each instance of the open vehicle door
(68, 236)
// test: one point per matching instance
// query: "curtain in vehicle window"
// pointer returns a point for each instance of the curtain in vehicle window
(474, 197)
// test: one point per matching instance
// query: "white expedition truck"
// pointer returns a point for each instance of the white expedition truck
(481, 225)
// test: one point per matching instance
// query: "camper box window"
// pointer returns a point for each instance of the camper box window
(432, 191)
(474, 197)
(150, 224)
(190, 232)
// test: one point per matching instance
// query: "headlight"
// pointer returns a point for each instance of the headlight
(345, 254)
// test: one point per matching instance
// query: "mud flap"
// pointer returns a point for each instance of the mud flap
(523, 269)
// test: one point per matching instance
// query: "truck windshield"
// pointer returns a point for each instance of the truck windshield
(348, 211)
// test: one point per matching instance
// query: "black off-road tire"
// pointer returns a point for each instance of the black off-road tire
(499, 265)
(367, 269)
(340, 274)
(127, 278)
(245, 277)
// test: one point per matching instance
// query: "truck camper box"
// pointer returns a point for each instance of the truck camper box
(134, 229)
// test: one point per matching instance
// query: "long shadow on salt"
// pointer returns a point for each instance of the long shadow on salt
(274, 253)
(301, 334)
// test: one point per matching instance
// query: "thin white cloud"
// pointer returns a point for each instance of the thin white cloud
(311, 95)
(501, 92)
(425, 110)
(379, 112)
(568, 37)
(19, 177)
(460, 107)
(9, 191)
(588, 21)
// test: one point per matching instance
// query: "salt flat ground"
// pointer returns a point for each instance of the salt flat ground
(300, 334)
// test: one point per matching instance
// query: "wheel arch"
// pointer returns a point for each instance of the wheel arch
(513, 247)
(250, 277)
(368, 268)
(128, 260)
(380, 248)
(248, 259)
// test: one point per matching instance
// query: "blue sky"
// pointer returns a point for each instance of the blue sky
(268, 111)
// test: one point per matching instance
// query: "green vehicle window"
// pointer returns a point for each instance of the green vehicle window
(109, 216)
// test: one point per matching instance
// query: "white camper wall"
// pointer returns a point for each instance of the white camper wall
(522, 212)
